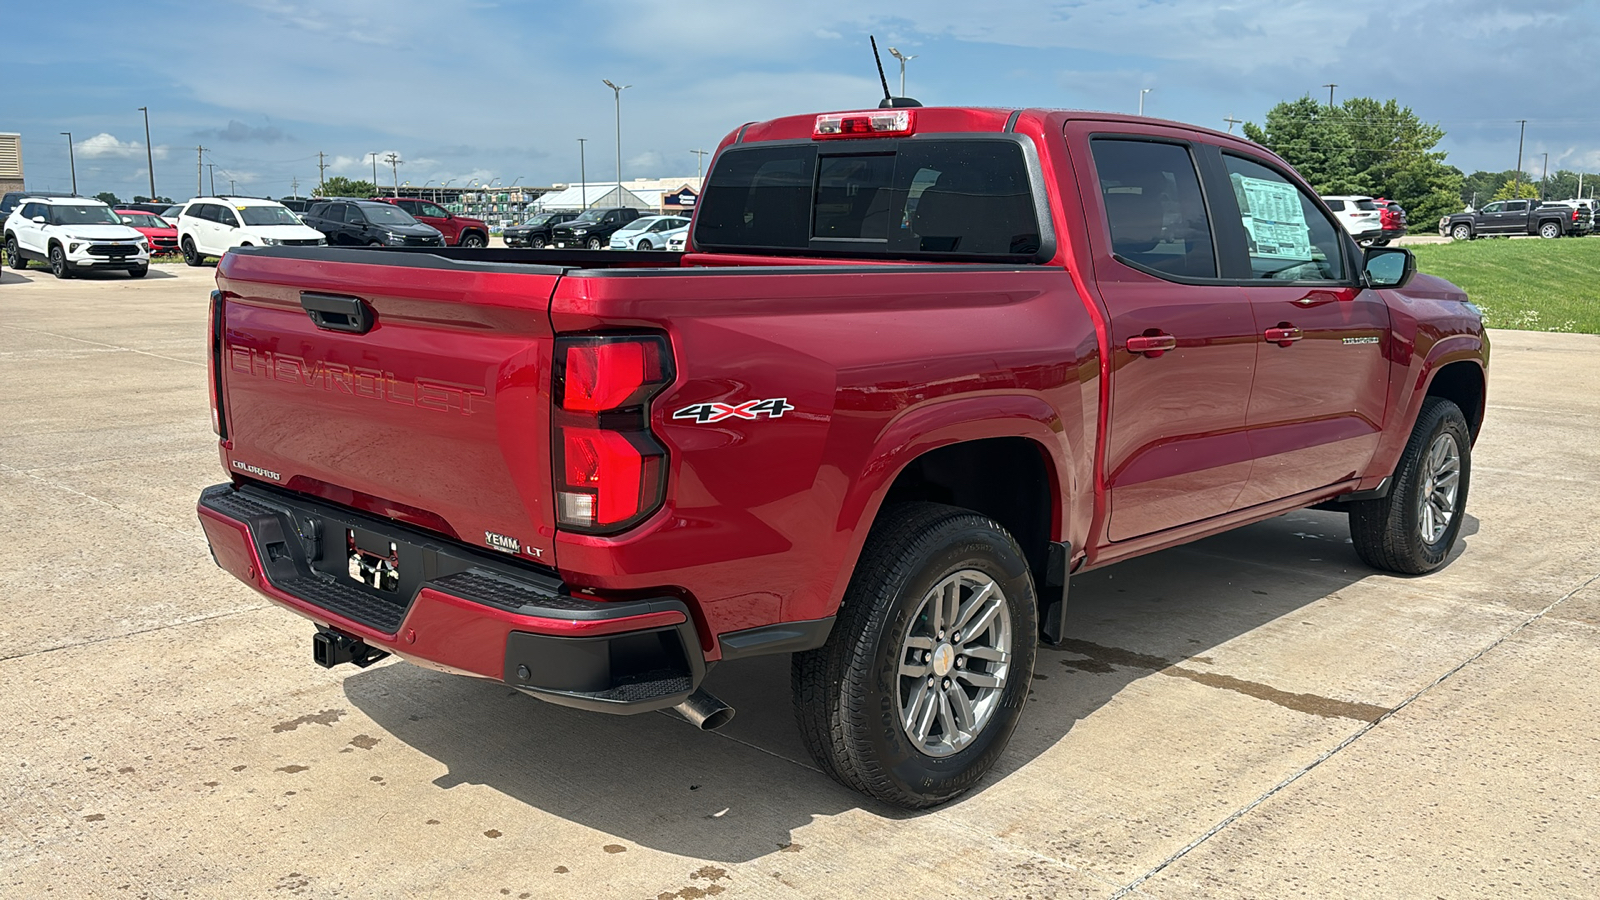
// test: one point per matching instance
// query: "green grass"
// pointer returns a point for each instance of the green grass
(1529, 285)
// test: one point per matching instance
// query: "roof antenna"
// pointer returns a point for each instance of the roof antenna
(887, 102)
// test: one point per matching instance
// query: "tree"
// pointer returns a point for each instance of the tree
(340, 186)
(1364, 146)
(1510, 190)
(108, 198)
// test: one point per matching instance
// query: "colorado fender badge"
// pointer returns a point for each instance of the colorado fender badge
(703, 413)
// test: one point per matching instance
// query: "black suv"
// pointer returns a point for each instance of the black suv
(13, 198)
(535, 232)
(593, 229)
(347, 222)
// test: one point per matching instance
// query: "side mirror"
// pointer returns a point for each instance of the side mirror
(1389, 267)
(38, 220)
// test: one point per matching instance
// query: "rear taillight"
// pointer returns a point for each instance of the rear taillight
(1574, 215)
(610, 473)
(219, 422)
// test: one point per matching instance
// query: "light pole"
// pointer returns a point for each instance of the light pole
(583, 179)
(903, 60)
(149, 155)
(72, 162)
(1142, 92)
(1544, 177)
(211, 169)
(618, 91)
(1517, 190)
(374, 155)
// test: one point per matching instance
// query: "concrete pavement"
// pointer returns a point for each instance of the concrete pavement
(1254, 715)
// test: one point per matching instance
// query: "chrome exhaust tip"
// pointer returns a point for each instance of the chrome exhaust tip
(704, 711)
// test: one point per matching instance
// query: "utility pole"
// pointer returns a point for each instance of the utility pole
(1330, 88)
(699, 163)
(232, 191)
(211, 169)
(1232, 122)
(200, 170)
(294, 186)
(149, 154)
(1142, 92)
(583, 178)
(394, 169)
(72, 162)
(1518, 189)
(322, 172)
(903, 60)
(618, 91)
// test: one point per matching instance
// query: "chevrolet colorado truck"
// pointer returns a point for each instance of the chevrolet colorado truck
(915, 368)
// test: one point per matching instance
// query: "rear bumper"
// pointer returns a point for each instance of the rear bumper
(453, 607)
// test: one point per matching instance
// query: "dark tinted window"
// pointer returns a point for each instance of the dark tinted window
(1289, 238)
(1154, 208)
(968, 197)
(1335, 205)
(226, 216)
(1516, 206)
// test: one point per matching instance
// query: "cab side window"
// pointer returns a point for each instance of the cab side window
(1289, 238)
(1154, 207)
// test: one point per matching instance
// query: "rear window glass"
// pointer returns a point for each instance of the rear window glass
(1367, 205)
(904, 198)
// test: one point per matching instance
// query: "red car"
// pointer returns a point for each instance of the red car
(1392, 216)
(458, 231)
(917, 368)
(163, 237)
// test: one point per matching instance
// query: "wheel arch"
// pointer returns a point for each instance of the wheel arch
(1462, 383)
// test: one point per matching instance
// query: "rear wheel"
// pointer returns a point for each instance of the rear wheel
(374, 243)
(14, 257)
(922, 681)
(191, 256)
(473, 240)
(58, 262)
(1550, 230)
(1412, 530)
(1462, 232)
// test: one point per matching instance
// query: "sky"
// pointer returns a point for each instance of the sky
(462, 91)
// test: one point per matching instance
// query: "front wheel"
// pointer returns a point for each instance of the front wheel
(645, 245)
(1412, 530)
(1461, 232)
(14, 257)
(191, 256)
(536, 243)
(139, 272)
(473, 241)
(58, 262)
(1550, 230)
(923, 679)
(593, 243)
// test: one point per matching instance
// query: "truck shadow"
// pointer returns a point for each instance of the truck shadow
(740, 793)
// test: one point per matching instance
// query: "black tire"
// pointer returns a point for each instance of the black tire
(473, 240)
(1380, 242)
(14, 257)
(1461, 231)
(1550, 230)
(645, 245)
(536, 242)
(593, 243)
(1387, 532)
(847, 698)
(140, 272)
(375, 243)
(58, 262)
(191, 256)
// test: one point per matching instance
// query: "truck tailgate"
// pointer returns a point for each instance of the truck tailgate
(437, 416)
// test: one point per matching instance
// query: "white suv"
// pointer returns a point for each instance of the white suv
(211, 226)
(72, 234)
(1357, 215)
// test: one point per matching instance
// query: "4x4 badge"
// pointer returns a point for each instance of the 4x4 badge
(703, 413)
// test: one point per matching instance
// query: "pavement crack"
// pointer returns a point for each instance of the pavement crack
(1133, 886)
(68, 337)
(192, 620)
(189, 536)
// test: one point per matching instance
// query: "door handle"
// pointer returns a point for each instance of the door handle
(1284, 335)
(1152, 345)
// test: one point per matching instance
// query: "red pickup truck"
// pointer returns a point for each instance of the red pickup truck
(916, 367)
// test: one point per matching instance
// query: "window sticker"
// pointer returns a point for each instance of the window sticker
(1273, 218)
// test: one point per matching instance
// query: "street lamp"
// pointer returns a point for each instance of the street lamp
(903, 60)
(616, 89)
(583, 179)
(149, 155)
(1142, 92)
(73, 162)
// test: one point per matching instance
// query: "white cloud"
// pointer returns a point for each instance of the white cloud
(105, 146)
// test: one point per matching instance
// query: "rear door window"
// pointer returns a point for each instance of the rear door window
(1154, 207)
(901, 199)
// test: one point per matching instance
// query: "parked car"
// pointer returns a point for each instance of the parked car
(160, 237)
(678, 240)
(1392, 216)
(535, 232)
(647, 233)
(1506, 217)
(72, 235)
(296, 205)
(881, 440)
(593, 228)
(1357, 215)
(352, 222)
(211, 226)
(458, 231)
(170, 214)
(9, 202)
